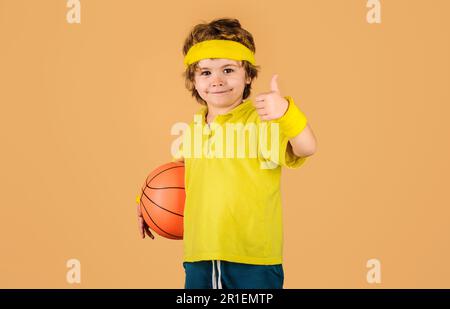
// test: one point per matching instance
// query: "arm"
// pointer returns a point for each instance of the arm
(304, 144)
(272, 106)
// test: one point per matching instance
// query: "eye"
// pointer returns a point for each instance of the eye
(230, 70)
(204, 72)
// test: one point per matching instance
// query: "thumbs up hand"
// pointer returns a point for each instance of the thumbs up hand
(271, 105)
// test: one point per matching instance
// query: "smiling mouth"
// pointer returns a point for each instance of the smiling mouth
(220, 92)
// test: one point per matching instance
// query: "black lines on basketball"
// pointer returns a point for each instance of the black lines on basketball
(160, 205)
(163, 172)
(162, 230)
(162, 197)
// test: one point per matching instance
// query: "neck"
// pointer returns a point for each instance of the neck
(213, 111)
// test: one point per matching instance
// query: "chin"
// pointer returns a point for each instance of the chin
(222, 101)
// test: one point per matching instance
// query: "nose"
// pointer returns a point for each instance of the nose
(217, 81)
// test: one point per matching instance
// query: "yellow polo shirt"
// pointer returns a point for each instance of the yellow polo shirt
(233, 201)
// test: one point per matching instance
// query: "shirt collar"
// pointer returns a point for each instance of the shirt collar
(245, 103)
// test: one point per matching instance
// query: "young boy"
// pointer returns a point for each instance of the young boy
(233, 217)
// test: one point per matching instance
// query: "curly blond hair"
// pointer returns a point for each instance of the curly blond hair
(219, 29)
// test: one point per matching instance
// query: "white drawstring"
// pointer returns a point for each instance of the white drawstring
(218, 281)
(218, 284)
(213, 275)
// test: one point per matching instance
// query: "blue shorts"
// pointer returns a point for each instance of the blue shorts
(230, 275)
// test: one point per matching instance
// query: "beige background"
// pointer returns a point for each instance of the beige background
(86, 112)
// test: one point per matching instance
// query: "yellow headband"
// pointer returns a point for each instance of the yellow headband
(219, 49)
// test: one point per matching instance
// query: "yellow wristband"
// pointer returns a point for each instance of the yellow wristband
(293, 121)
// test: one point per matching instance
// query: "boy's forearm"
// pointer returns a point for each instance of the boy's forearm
(304, 144)
(293, 121)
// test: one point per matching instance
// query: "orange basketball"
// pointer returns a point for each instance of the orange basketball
(162, 200)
